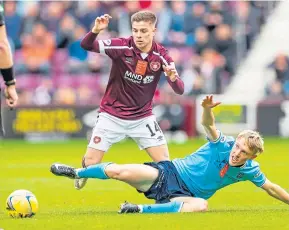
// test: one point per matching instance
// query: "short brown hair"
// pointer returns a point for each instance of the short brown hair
(254, 141)
(144, 15)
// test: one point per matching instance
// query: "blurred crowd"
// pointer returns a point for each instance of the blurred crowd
(279, 87)
(206, 40)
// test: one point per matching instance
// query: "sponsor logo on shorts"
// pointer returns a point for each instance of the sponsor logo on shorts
(96, 140)
(155, 66)
(160, 138)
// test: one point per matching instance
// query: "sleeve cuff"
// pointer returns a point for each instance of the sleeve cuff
(262, 183)
(217, 140)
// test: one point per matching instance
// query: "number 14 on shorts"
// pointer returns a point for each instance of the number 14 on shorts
(155, 129)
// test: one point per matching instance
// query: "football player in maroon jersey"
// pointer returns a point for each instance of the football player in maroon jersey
(126, 107)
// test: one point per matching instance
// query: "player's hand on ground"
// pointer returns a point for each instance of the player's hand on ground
(208, 102)
(101, 23)
(171, 72)
(11, 96)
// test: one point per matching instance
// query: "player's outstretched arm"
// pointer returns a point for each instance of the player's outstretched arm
(101, 23)
(88, 42)
(276, 191)
(208, 119)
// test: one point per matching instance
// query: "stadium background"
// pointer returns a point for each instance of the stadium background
(207, 40)
(60, 87)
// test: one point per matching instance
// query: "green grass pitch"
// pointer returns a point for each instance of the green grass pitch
(26, 166)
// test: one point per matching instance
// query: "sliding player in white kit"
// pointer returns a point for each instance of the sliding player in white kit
(126, 107)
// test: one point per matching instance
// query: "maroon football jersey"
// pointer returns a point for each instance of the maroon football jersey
(133, 77)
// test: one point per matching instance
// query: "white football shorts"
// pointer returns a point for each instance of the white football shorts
(109, 130)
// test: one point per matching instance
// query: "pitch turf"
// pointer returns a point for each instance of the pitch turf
(26, 166)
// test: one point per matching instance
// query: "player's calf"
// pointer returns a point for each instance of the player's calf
(159, 153)
(89, 160)
(92, 157)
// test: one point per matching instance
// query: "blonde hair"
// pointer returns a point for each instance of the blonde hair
(144, 15)
(254, 141)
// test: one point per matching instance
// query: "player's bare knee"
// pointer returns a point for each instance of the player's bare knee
(113, 171)
(198, 205)
(204, 206)
(118, 172)
(166, 156)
